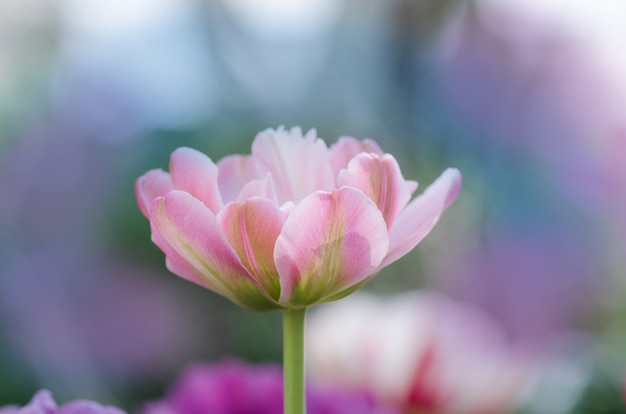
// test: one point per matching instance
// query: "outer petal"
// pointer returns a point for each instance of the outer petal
(195, 173)
(380, 178)
(421, 215)
(298, 165)
(347, 148)
(251, 228)
(234, 172)
(192, 231)
(329, 242)
(153, 184)
(174, 262)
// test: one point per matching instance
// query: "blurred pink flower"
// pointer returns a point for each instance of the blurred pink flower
(418, 351)
(537, 284)
(294, 224)
(43, 403)
(542, 77)
(118, 326)
(235, 387)
(75, 309)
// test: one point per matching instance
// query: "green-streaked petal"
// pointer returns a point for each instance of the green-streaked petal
(329, 242)
(191, 237)
(251, 228)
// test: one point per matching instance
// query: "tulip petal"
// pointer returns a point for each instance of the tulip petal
(380, 178)
(329, 242)
(195, 173)
(192, 232)
(261, 187)
(234, 172)
(421, 215)
(251, 228)
(347, 148)
(176, 263)
(155, 183)
(298, 165)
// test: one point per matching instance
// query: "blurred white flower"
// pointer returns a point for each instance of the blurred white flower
(419, 350)
(155, 53)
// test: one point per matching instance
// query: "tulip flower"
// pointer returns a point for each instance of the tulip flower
(418, 351)
(43, 403)
(294, 224)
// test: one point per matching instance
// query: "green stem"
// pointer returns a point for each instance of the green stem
(293, 361)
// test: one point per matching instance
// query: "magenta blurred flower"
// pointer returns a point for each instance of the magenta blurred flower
(293, 224)
(419, 351)
(235, 387)
(43, 403)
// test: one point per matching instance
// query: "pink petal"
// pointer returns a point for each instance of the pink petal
(174, 262)
(261, 187)
(190, 235)
(298, 165)
(421, 215)
(380, 178)
(153, 184)
(347, 148)
(251, 228)
(235, 171)
(329, 242)
(195, 173)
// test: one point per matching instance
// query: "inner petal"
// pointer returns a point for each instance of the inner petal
(380, 178)
(299, 165)
(252, 227)
(329, 242)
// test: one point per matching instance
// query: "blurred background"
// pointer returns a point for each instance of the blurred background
(526, 98)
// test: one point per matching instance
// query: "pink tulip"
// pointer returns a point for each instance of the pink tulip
(417, 351)
(293, 224)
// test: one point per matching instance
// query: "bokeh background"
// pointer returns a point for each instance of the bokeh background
(526, 98)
